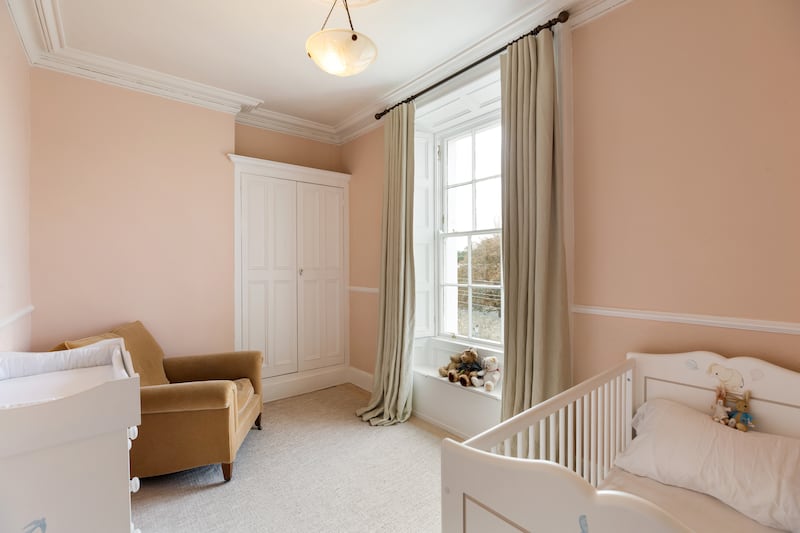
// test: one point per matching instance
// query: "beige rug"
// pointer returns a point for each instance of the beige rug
(315, 467)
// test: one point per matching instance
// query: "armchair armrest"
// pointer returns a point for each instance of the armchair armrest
(230, 365)
(193, 396)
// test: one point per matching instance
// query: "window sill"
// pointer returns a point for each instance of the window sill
(428, 372)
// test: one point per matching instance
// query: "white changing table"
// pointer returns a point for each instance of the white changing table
(64, 441)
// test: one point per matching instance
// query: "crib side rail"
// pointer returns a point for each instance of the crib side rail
(583, 428)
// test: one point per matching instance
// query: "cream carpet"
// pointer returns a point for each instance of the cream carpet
(315, 467)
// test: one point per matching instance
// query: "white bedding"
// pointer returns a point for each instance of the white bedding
(31, 378)
(106, 352)
(700, 512)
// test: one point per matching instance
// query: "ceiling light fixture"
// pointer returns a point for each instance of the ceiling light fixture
(341, 52)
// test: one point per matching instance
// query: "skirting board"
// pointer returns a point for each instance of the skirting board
(279, 387)
(436, 402)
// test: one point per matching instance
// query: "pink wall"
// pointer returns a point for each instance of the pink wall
(686, 175)
(131, 215)
(363, 159)
(14, 191)
(264, 144)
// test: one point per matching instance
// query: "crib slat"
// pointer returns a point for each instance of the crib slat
(628, 407)
(579, 436)
(531, 442)
(593, 449)
(562, 437)
(601, 432)
(615, 419)
(620, 416)
(552, 434)
(621, 394)
(606, 429)
(507, 447)
(542, 439)
(587, 443)
(571, 436)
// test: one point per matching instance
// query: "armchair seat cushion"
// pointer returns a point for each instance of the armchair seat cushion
(244, 391)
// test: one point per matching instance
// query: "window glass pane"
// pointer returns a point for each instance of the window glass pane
(487, 153)
(454, 310)
(455, 260)
(459, 208)
(487, 320)
(486, 259)
(459, 160)
(488, 204)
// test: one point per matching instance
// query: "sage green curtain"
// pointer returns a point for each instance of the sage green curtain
(392, 384)
(536, 319)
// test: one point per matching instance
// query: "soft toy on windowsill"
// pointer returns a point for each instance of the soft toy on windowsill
(489, 374)
(468, 365)
(455, 360)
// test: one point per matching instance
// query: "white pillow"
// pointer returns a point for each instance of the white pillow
(21, 364)
(758, 474)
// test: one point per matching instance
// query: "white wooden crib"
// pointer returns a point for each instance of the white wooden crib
(546, 468)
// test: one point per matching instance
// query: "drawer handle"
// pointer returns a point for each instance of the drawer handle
(133, 432)
(135, 485)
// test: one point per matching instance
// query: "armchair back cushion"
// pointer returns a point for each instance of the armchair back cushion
(86, 341)
(146, 354)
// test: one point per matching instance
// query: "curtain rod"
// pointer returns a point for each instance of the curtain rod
(561, 18)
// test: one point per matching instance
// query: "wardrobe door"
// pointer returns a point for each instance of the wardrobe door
(320, 226)
(269, 271)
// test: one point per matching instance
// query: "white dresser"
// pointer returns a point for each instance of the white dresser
(64, 440)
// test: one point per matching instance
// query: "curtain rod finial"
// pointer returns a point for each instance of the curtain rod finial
(563, 17)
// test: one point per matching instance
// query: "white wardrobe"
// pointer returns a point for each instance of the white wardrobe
(291, 267)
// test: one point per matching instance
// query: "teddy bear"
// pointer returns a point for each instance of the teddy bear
(455, 360)
(468, 365)
(740, 417)
(489, 374)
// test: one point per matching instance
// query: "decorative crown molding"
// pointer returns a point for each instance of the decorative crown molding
(272, 120)
(72, 61)
(38, 23)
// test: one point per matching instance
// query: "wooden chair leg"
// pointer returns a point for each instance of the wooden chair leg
(258, 422)
(227, 471)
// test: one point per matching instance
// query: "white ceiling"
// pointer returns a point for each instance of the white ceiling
(249, 55)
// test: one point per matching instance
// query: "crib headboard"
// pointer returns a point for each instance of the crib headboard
(691, 378)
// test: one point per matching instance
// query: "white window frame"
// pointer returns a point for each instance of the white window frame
(472, 126)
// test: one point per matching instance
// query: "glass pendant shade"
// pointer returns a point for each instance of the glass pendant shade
(341, 52)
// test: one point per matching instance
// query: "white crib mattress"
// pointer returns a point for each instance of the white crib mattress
(700, 512)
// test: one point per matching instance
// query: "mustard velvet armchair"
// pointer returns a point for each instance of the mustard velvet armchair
(196, 410)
